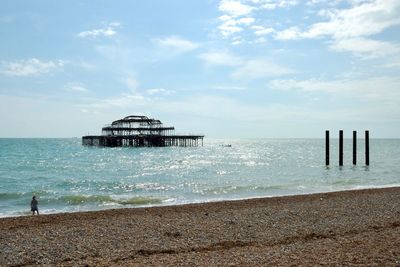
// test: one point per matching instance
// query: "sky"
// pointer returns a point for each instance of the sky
(223, 68)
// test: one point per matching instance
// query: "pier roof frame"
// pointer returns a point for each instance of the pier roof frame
(139, 119)
(108, 128)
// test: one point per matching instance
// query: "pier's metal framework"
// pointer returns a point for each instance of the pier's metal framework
(140, 131)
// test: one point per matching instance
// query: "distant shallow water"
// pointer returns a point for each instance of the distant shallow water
(67, 177)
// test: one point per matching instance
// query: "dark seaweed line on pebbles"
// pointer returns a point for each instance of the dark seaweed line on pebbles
(225, 245)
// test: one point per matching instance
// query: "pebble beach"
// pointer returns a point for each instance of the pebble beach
(347, 228)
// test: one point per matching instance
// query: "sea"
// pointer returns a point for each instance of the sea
(66, 176)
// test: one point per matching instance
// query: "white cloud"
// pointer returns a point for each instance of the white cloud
(246, 21)
(350, 27)
(291, 33)
(393, 62)
(260, 40)
(257, 27)
(363, 19)
(237, 41)
(241, 14)
(229, 88)
(259, 68)
(374, 88)
(107, 31)
(326, 2)
(30, 67)
(176, 44)
(365, 48)
(260, 30)
(235, 18)
(131, 83)
(160, 91)
(229, 27)
(122, 101)
(269, 6)
(76, 87)
(235, 8)
(244, 68)
(310, 85)
(225, 17)
(273, 4)
(221, 58)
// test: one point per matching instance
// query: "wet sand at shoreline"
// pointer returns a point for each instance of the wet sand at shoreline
(342, 228)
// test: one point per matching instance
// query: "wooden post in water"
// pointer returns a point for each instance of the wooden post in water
(327, 148)
(354, 147)
(341, 148)
(367, 148)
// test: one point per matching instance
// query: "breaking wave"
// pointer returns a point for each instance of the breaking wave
(104, 199)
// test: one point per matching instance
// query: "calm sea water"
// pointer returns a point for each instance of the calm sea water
(66, 176)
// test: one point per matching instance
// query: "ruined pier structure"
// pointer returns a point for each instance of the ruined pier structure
(140, 131)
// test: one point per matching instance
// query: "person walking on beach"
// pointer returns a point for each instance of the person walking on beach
(34, 206)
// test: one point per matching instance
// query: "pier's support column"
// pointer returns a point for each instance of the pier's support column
(341, 148)
(327, 148)
(367, 148)
(354, 147)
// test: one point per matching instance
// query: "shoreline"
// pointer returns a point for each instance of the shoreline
(343, 227)
(27, 213)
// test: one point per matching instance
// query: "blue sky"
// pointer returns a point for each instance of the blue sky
(228, 68)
